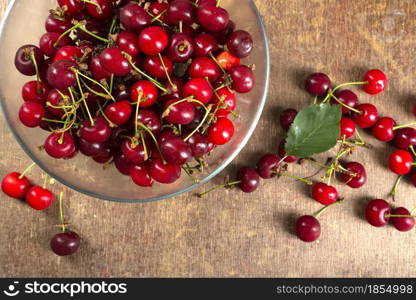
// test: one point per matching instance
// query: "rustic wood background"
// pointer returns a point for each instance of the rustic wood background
(230, 233)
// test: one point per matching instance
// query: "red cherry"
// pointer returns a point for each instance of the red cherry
(368, 116)
(347, 127)
(402, 223)
(243, 78)
(14, 186)
(159, 8)
(164, 173)
(212, 17)
(227, 98)
(122, 164)
(308, 228)
(324, 194)
(377, 82)
(39, 198)
(97, 70)
(35, 92)
(282, 153)
(205, 44)
(101, 9)
(68, 53)
(99, 132)
(221, 131)
(128, 42)
(383, 129)
(48, 40)
(154, 67)
(140, 175)
(113, 60)
(118, 112)
(347, 97)
(134, 154)
(60, 145)
(376, 212)
(153, 40)
(317, 84)
(360, 177)
(202, 67)
(200, 89)
(31, 114)
(147, 90)
(400, 162)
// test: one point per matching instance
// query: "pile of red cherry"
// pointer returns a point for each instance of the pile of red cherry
(148, 85)
(353, 174)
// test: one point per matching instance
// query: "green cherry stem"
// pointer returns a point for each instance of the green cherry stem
(26, 170)
(93, 34)
(136, 126)
(35, 63)
(95, 82)
(345, 105)
(323, 209)
(207, 110)
(400, 216)
(155, 82)
(174, 87)
(141, 125)
(221, 100)
(412, 149)
(349, 84)
(83, 99)
(396, 187)
(225, 185)
(77, 25)
(405, 125)
(61, 212)
(297, 178)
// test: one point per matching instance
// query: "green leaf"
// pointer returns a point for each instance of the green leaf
(315, 130)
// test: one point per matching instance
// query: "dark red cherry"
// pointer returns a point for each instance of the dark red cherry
(39, 198)
(243, 78)
(31, 114)
(60, 74)
(200, 145)
(368, 116)
(93, 26)
(199, 88)
(249, 180)
(104, 157)
(97, 132)
(14, 186)
(140, 175)
(287, 117)
(55, 98)
(118, 112)
(357, 176)
(48, 40)
(164, 173)
(268, 165)
(181, 113)
(146, 91)
(308, 228)
(23, 60)
(113, 60)
(128, 42)
(153, 66)
(173, 149)
(60, 145)
(71, 6)
(66, 243)
(135, 153)
(181, 11)
(35, 91)
(405, 137)
(150, 119)
(134, 17)
(57, 24)
(122, 164)
(282, 153)
(158, 9)
(402, 223)
(90, 149)
(347, 127)
(97, 70)
(205, 43)
(377, 82)
(212, 17)
(99, 9)
(180, 47)
(202, 67)
(376, 212)
(317, 84)
(221, 131)
(324, 194)
(223, 35)
(240, 43)
(68, 53)
(383, 129)
(153, 40)
(347, 97)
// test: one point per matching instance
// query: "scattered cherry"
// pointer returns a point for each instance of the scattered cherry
(377, 82)
(402, 223)
(400, 162)
(39, 198)
(308, 228)
(324, 194)
(65, 243)
(317, 84)
(377, 212)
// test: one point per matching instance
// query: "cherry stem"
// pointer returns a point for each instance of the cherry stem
(111, 83)
(83, 99)
(218, 63)
(112, 26)
(45, 181)
(35, 63)
(26, 170)
(218, 3)
(349, 84)
(136, 126)
(297, 178)
(155, 82)
(412, 149)
(65, 33)
(93, 3)
(95, 82)
(61, 211)
(323, 209)
(100, 109)
(146, 153)
(400, 216)
(225, 185)
(221, 100)
(403, 126)
(93, 34)
(195, 180)
(157, 18)
(396, 187)
(153, 138)
(174, 87)
(207, 111)
(345, 105)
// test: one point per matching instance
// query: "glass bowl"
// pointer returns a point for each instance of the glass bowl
(23, 24)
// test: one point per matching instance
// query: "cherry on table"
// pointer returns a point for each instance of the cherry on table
(383, 129)
(358, 176)
(347, 127)
(243, 78)
(317, 84)
(60, 145)
(324, 194)
(348, 98)
(221, 131)
(402, 223)
(377, 82)
(249, 179)
(23, 60)
(268, 165)
(240, 43)
(65, 243)
(308, 228)
(377, 211)
(39, 198)
(400, 162)
(405, 137)
(367, 117)
(14, 185)
(287, 117)
(140, 175)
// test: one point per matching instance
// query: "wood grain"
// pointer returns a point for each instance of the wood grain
(230, 233)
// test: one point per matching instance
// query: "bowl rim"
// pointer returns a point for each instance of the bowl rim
(218, 170)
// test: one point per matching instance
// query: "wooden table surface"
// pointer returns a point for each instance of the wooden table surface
(230, 233)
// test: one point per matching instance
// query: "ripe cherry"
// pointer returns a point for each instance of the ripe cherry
(14, 185)
(318, 84)
(377, 82)
(202, 67)
(101, 9)
(348, 98)
(65, 243)
(154, 67)
(122, 164)
(347, 127)
(97, 70)
(205, 43)
(113, 60)
(383, 129)
(146, 91)
(39, 198)
(324, 194)
(182, 113)
(48, 40)
(153, 40)
(212, 17)
(308, 228)
(228, 101)
(24, 59)
(223, 35)
(287, 117)
(221, 131)
(377, 211)
(243, 78)
(60, 74)
(128, 42)
(368, 116)
(31, 114)
(118, 112)
(405, 137)
(358, 176)
(282, 153)
(55, 98)
(249, 180)
(97, 132)
(60, 145)
(35, 91)
(240, 43)
(402, 223)
(140, 175)
(71, 6)
(199, 88)
(181, 47)
(400, 162)
(150, 119)
(173, 149)
(181, 11)
(267, 166)
(57, 24)
(200, 145)
(135, 153)
(90, 149)
(158, 9)
(68, 53)
(164, 173)
(134, 17)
